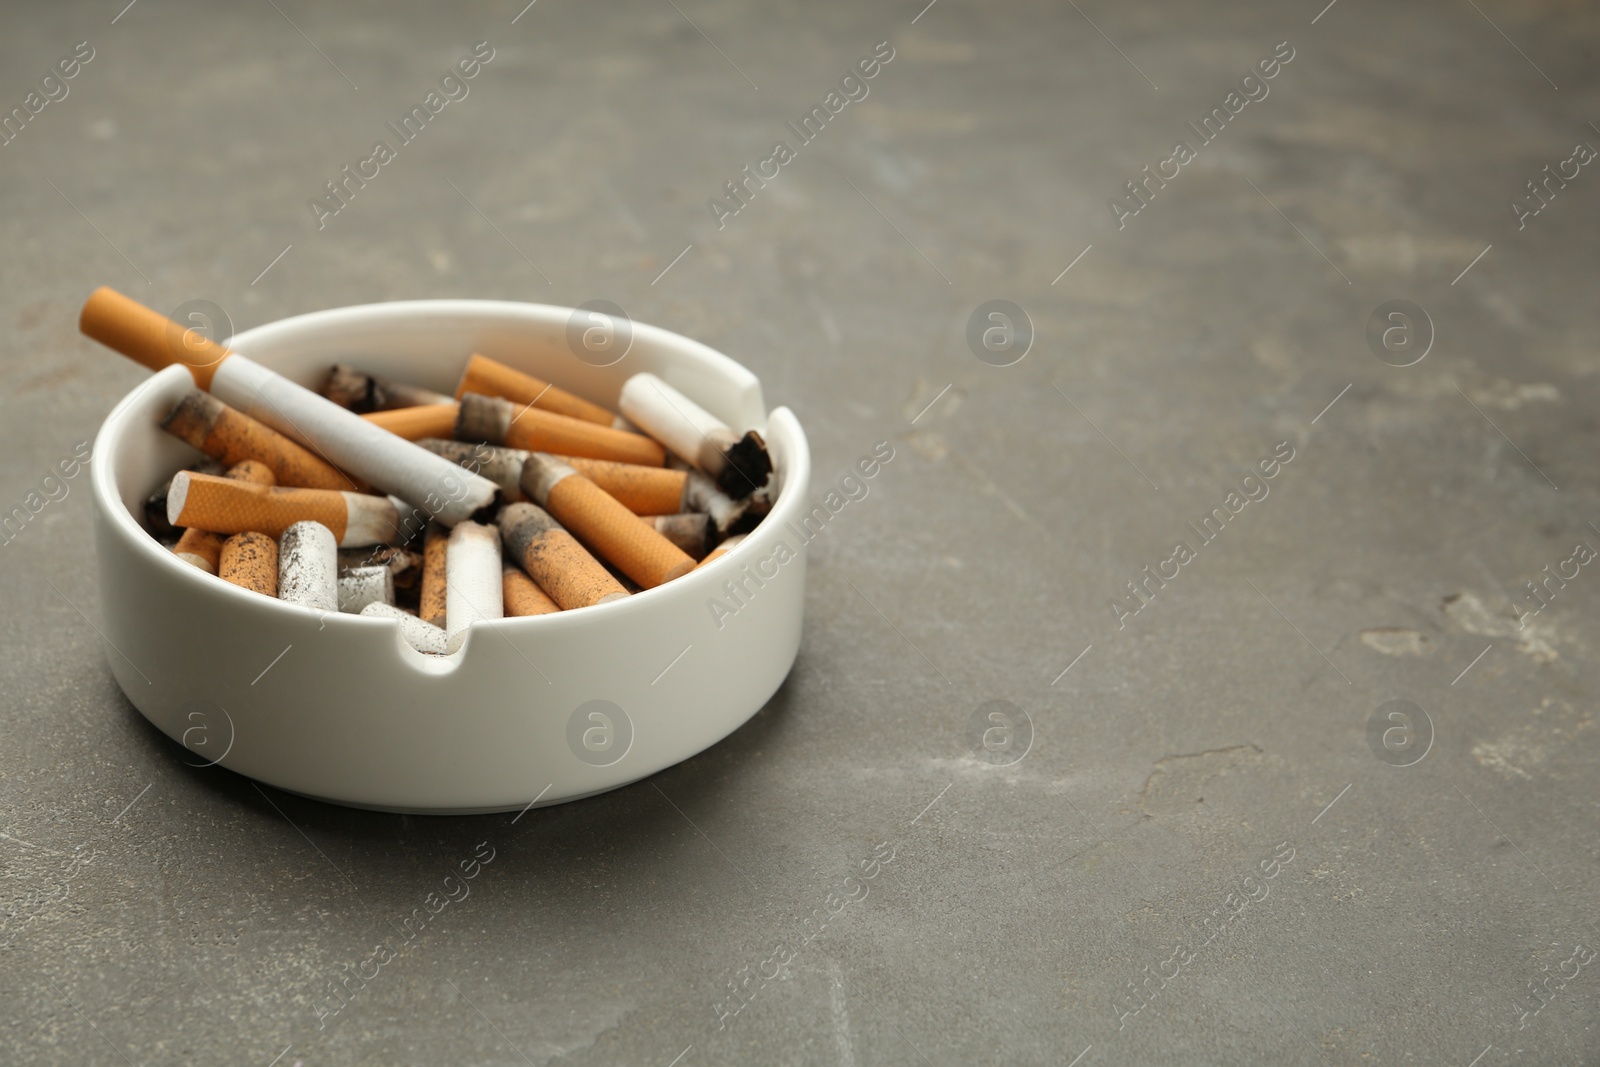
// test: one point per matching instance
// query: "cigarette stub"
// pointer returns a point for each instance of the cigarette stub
(722, 549)
(435, 549)
(502, 466)
(361, 393)
(691, 532)
(553, 558)
(428, 420)
(700, 494)
(346, 440)
(642, 490)
(202, 548)
(404, 566)
(522, 596)
(473, 586)
(609, 529)
(206, 423)
(422, 636)
(250, 560)
(224, 506)
(491, 378)
(360, 586)
(500, 422)
(308, 566)
(738, 463)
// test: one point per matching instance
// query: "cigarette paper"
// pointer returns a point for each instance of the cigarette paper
(553, 558)
(739, 464)
(308, 566)
(360, 586)
(429, 420)
(361, 393)
(492, 378)
(610, 530)
(344, 438)
(522, 596)
(502, 466)
(199, 546)
(422, 636)
(642, 490)
(250, 560)
(404, 566)
(691, 532)
(435, 549)
(473, 586)
(206, 423)
(722, 549)
(222, 505)
(500, 422)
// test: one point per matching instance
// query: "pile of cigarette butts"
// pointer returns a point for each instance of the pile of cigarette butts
(377, 497)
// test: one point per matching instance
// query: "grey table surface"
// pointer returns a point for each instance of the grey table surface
(1199, 838)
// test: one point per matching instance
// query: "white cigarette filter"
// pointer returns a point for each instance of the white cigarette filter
(308, 567)
(473, 586)
(738, 463)
(422, 636)
(360, 586)
(338, 434)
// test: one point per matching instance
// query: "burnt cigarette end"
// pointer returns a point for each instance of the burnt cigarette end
(420, 635)
(694, 534)
(540, 473)
(748, 466)
(192, 419)
(155, 515)
(349, 388)
(361, 586)
(483, 418)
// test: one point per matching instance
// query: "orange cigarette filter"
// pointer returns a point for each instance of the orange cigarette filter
(599, 521)
(499, 422)
(250, 560)
(722, 549)
(202, 548)
(522, 596)
(149, 337)
(493, 378)
(642, 490)
(415, 423)
(553, 558)
(435, 544)
(224, 506)
(214, 428)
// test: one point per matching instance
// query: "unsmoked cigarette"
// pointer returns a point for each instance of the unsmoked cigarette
(522, 595)
(222, 505)
(499, 422)
(609, 529)
(554, 559)
(428, 420)
(211, 426)
(361, 393)
(360, 586)
(435, 549)
(502, 466)
(739, 464)
(420, 635)
(691, 532)
(250, 560)
(473, 587)
(642, 490)
(308, 566)
(201, 547)
(349, 442)
(493, 378)
(722, 549)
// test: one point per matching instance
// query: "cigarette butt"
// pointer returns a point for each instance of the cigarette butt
(700, 493)
(420, 635)
(473, 586)
(211, 426)
(199, 548)
(722, 549)
(553, 558)
(403, 565)
(222, 505)
(522, 596)
(691, 532)
(360, 586)
(502, 466)
(642, 490)
(499, 422)
(155, 514)
(435, 549)
(738, 463)
(361, 393)
(427, 420)
(390, 463)
(308, 566)
(493, 378)
(250, 560)
(612, 531)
